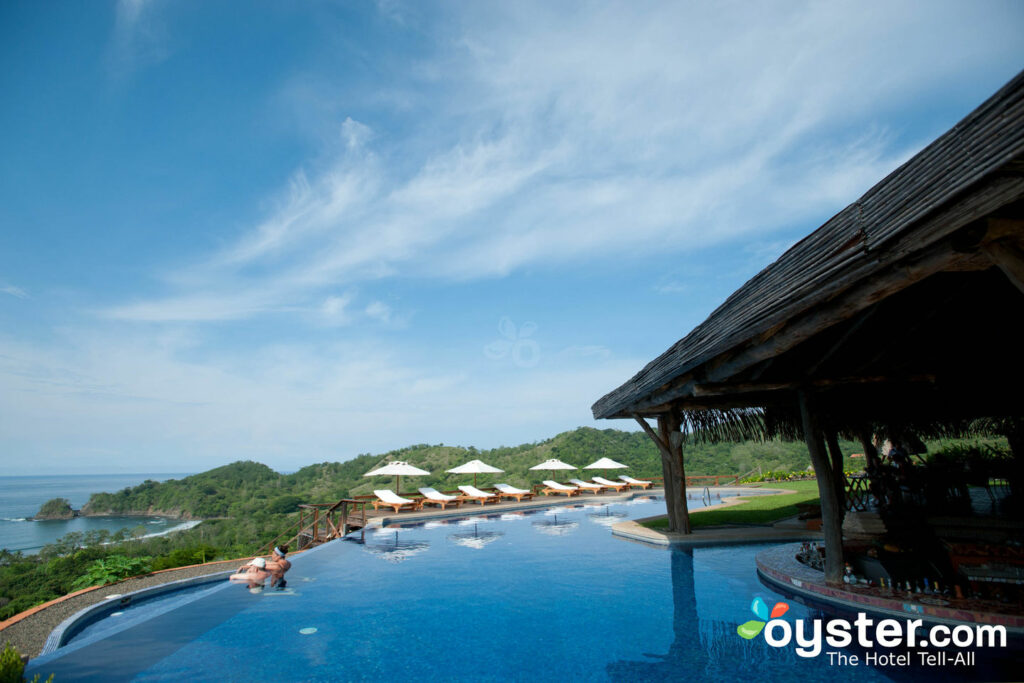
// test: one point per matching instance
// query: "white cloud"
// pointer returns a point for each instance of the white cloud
(138, 39)
(14, 291)
(662, 128)
(378, 310)
(131, 395)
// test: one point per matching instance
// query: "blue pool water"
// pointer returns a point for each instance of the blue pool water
(544, 595)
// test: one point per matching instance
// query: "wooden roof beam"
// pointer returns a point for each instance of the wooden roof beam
(729, 388)
(1006, 252)
(850, 302)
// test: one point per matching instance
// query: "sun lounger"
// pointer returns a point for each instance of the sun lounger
(504, 490)
(554, 487)
(636, 482)
(473, 493)
(432, 495)
(388, 498)
(608, 483)
(587, 486)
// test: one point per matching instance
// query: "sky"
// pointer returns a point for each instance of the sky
(298, 232)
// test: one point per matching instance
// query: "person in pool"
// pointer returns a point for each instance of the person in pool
(278, 565)
(254, 574)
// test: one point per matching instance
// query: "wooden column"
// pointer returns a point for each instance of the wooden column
(670, 447)
(670, 426)
(831, 519)
(870, 452)
(832, 440)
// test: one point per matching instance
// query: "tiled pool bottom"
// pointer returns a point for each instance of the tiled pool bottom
(542, 596)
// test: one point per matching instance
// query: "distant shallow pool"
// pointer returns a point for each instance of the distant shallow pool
(545, 594)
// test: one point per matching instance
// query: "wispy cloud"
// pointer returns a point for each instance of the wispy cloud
(14, 291)
(138, 38)
(288, 404)
(580, 146)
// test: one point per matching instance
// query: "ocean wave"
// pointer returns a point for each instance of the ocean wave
(180, 527)
(14, 519)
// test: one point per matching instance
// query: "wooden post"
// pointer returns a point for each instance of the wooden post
(831, 520)
(870, 452)
(673, 423)
(670, 472)
(837, 470)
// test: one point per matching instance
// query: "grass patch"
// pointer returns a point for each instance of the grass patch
(753, 510)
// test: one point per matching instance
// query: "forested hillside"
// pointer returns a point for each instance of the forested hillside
(244, 488)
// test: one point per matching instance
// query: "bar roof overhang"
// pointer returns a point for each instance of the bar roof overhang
(910, 297)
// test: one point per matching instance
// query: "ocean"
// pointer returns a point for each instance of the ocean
(21, 498)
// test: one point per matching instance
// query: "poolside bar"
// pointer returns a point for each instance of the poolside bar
(896, 318)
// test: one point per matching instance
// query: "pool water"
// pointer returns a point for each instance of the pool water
(546, 594)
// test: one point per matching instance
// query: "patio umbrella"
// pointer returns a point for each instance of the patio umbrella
(397, 469)
(475, 467)
(553, 464)
(605, 464)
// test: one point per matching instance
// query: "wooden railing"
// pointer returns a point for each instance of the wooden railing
(858, 492)
(706, 479)
(321, 522)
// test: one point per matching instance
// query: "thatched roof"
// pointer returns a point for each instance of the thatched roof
(929, 248)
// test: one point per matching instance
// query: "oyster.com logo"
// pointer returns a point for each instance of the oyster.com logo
(753, 627)
(902, 640)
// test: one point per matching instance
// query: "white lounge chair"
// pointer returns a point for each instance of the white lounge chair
(432, 495)
(636, 482)
(388, 498)
(554, 487)
(587, 486)
(608, 483)
(505, 490)
(473, 493)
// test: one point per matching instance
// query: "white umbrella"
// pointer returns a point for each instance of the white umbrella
(553, 464)
(605, 464)
(397, 469)
(475, 467)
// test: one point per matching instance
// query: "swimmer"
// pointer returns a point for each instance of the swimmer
(254, 573)
(278, 565)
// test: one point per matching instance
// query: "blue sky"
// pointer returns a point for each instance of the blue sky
(297, 232)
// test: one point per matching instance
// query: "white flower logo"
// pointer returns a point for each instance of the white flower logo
(525, 352)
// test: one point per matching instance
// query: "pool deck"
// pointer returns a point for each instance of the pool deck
(385, 518)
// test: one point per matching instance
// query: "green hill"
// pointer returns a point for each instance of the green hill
(245, 488)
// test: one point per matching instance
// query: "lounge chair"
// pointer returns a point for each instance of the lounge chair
(636, 482)
(504, 490)
(473, 493)
(608, 483)
(587, 486)
(554, 487)
(432, 495)
(388, 498)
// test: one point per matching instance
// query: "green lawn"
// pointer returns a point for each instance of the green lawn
(753, 510)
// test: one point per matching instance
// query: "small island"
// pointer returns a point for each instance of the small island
(56, 508)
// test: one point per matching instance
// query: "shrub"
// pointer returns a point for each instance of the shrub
(12, 669)
(111, 569)
(182, 557)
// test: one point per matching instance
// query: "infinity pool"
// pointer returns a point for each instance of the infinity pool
(546, 594)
